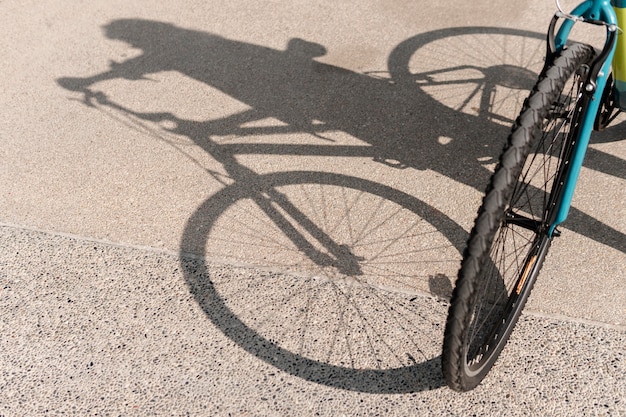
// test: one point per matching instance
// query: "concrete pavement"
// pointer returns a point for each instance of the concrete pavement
(258, 209)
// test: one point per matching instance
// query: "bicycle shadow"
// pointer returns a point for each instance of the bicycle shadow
(403, 127)
(596, 160)
(294, 88)
(360, 337)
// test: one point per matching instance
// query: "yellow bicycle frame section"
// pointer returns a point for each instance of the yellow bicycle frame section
(619, 59)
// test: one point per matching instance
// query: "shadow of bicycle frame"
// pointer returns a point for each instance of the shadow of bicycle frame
(292, 87)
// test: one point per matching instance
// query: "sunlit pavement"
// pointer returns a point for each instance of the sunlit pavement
(258, 209)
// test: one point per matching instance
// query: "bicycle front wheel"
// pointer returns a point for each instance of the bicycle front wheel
(510, 240)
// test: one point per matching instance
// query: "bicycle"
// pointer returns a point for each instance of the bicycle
(529, 194)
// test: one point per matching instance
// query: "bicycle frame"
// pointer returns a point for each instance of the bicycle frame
(612, 15)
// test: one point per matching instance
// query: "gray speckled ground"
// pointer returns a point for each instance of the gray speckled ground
(90, 328)
(258, 209)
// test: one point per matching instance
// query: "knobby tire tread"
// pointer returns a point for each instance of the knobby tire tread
(524, 132)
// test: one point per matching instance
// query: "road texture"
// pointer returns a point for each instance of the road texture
(257, 209)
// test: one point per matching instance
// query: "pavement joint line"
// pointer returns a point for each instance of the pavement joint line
(574, 320)
(235, 264)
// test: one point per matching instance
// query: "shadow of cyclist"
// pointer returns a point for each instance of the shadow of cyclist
(292, 87)
(400, 123)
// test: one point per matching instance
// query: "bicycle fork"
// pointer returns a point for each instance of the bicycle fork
(279, 209)
(593, 88)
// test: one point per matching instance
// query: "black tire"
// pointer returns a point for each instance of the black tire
(509, 241)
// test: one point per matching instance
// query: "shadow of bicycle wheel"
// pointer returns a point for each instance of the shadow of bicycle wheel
(373, 330)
